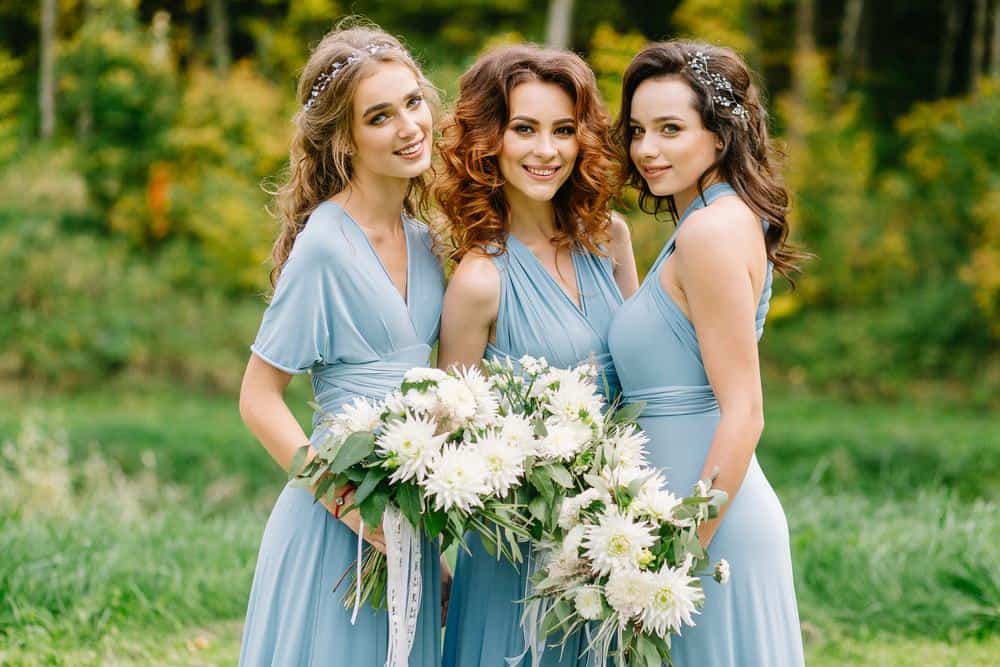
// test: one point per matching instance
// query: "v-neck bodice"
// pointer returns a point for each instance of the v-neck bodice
(337, 314)
(537, 317)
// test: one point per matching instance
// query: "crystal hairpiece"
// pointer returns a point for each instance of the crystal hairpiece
(723, 90)
(328, 75)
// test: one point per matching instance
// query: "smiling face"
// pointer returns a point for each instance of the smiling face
(539, 146)
(392, 124)
(667, 141)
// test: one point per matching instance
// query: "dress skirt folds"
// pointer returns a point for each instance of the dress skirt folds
(337, 314)
(536, 317)
(753, 620)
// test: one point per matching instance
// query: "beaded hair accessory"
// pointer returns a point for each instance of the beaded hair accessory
(723, 90)
(327, 76)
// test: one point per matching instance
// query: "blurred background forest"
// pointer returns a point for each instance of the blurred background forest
(136, 136)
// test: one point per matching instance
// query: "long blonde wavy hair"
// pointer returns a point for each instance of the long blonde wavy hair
(319, 164)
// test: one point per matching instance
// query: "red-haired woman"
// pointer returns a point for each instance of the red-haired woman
(526, 186)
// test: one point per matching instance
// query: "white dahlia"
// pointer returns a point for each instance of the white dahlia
(569, 512)
(675, 596)
(361, 415)
(566, 562)
(517, 432)
(458, 479)
(409, 446)
(456, 401)
(504, 463)
(424, 374)
(575, 399)
(421, 401)
(486, 401)
(565, 439)
(588, 603)
(533, 365)
(655, 502)
(628, 591)
(616, 542)
(627, 447)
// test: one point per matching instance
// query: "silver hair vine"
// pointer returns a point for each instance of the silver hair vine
(722, 90)
(329, 74)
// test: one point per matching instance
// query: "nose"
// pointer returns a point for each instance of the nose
(408, 126)
(644, 147)
(544, 147)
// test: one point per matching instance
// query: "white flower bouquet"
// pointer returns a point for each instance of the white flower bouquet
(428, 459)
(619, 558)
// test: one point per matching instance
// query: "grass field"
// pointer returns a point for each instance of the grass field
(129, 525)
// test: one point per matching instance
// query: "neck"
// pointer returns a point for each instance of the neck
(684, 198)
(530, 220)
(374, 202)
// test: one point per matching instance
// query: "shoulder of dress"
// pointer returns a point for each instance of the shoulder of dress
(324, 235)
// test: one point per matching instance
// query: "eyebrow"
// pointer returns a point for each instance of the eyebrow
(658, 119)
(387, 105)
(528, 119)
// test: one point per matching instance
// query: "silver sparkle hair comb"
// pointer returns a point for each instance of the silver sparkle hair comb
(722, 89)
(330, 73)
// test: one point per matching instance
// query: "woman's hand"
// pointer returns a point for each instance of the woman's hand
(352, 519)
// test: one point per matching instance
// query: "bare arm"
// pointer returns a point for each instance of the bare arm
(264, 411)
(626, 275)
(471, 303)
(715, 260)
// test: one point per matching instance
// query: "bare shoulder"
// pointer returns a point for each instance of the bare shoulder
(727, 228)
(476, 280)
(619, 228)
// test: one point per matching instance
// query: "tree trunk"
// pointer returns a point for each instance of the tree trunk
(995, 55)
(848, 46)
(978, 44)
(219, 29)
(952, 20)
(47, 74)
(558, 30)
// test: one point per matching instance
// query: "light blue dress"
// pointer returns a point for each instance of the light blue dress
(535, 317)
(753, 620)
(337, 314)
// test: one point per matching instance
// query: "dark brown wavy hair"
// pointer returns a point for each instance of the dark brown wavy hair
(469, 189)
(748, 159)
(320, 154)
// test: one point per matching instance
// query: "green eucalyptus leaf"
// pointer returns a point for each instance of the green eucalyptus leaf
(298, 461)
(560, 475)
(374, 506)
(408, 500)
(357, 446)
(434, 522)
(372, 477)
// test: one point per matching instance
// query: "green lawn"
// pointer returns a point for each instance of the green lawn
(129, 525)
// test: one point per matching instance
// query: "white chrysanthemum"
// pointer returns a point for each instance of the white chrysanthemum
(456, 401)
(569, 512)
(628, 591)
(616, 542)
(533, 365)
(722, 571)
(424, 374)
(655, 501)
(458, 479)
(564, 440)
(394, 403)
(421, 401)
(517, 431)
(627, 447)
(486, 401)
(566, 562)
(588, 603)
(504, 463)
(553, 377)
(410, 446)
(622, 476)
(675, 596)
(361, 415)
(574, 399)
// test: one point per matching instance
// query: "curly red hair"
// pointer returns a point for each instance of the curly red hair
(469, 189)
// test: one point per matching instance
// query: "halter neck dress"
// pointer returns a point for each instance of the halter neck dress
(753, 619)
(337, 315)
(536, 317)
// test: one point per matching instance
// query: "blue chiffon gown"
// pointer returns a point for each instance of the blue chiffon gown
(337, 315)
(538, 318)
(753, 620)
